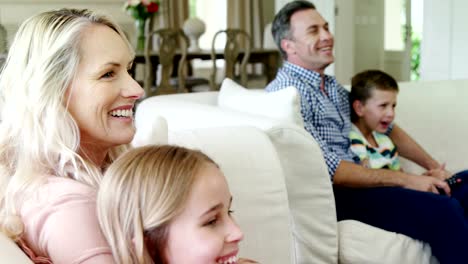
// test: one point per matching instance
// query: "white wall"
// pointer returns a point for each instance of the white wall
(14, 12)
(459, 40)
(368, 35)
(344, 41)
(445, 40)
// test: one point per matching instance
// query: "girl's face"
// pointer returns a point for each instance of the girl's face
(205, 232)
(103, 94)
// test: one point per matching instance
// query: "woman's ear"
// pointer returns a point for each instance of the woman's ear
(358, 107)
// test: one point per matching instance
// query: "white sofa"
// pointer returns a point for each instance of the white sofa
(247, 145)
(283, 198)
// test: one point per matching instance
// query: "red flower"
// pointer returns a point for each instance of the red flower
(141, 9)
(152, 7)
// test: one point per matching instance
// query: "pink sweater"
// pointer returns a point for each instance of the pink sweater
(61, 225)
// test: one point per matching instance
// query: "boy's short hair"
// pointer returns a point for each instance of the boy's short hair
(363, 83)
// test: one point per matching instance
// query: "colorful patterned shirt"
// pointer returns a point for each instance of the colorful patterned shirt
(384, 156)
(326, 116)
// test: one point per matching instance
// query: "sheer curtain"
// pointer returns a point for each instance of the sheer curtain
(247, 15)
(172, 14)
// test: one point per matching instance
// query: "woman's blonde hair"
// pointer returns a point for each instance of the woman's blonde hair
(141, 192)
(38, 136)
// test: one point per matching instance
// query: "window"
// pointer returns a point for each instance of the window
(214, 14)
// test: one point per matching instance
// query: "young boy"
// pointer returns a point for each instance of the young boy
(373, 99)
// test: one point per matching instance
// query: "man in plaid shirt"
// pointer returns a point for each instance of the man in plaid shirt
(393, 200)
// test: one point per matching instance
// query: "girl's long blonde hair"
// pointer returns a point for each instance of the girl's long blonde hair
(141, 192)
(38, 136)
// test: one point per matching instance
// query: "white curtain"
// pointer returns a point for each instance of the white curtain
(172, 14)
(247, 15)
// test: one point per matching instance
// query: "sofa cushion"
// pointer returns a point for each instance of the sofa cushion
(310, 195)
(386, 247)
(150, 131)
(283, 105)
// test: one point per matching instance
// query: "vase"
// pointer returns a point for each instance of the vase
(140, 34)
(194, 28)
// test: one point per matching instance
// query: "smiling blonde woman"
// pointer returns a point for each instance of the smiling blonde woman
(67, 114)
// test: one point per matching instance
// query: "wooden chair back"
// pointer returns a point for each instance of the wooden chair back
(170, 43)
(232, 50)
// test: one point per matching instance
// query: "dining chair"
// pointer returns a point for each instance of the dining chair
(3, 40)
(170, 42)
(232, 49)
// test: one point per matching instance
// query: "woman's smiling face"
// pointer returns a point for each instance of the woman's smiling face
(102, 95)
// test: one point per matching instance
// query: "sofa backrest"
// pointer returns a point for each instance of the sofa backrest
(435, 114)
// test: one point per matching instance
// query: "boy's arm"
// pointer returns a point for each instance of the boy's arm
(352, 175)
(410, 149)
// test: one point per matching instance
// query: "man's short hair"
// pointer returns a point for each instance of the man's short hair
(363, 83)
(281, 26)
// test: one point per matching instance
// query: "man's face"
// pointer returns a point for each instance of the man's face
(311, 43)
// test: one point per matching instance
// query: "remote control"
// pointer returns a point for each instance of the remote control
(455, 180)
(452, 182)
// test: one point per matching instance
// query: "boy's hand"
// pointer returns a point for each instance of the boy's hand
(440, 173)
(427, 184)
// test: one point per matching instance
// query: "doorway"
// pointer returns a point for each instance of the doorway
(397, 38)
(403, 33)
(388, 36)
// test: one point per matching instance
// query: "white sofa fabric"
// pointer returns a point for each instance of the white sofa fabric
(282, 193)
(11, 253)
(432, 112)
(306, 246)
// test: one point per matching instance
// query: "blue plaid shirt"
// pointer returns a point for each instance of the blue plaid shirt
(326, 118)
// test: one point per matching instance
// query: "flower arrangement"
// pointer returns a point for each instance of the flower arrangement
(141, 10)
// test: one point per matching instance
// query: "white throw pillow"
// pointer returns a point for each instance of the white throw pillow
(282, 105)
(150, 133)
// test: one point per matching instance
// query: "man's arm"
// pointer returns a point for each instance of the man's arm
(410, 149)
(353, 175)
